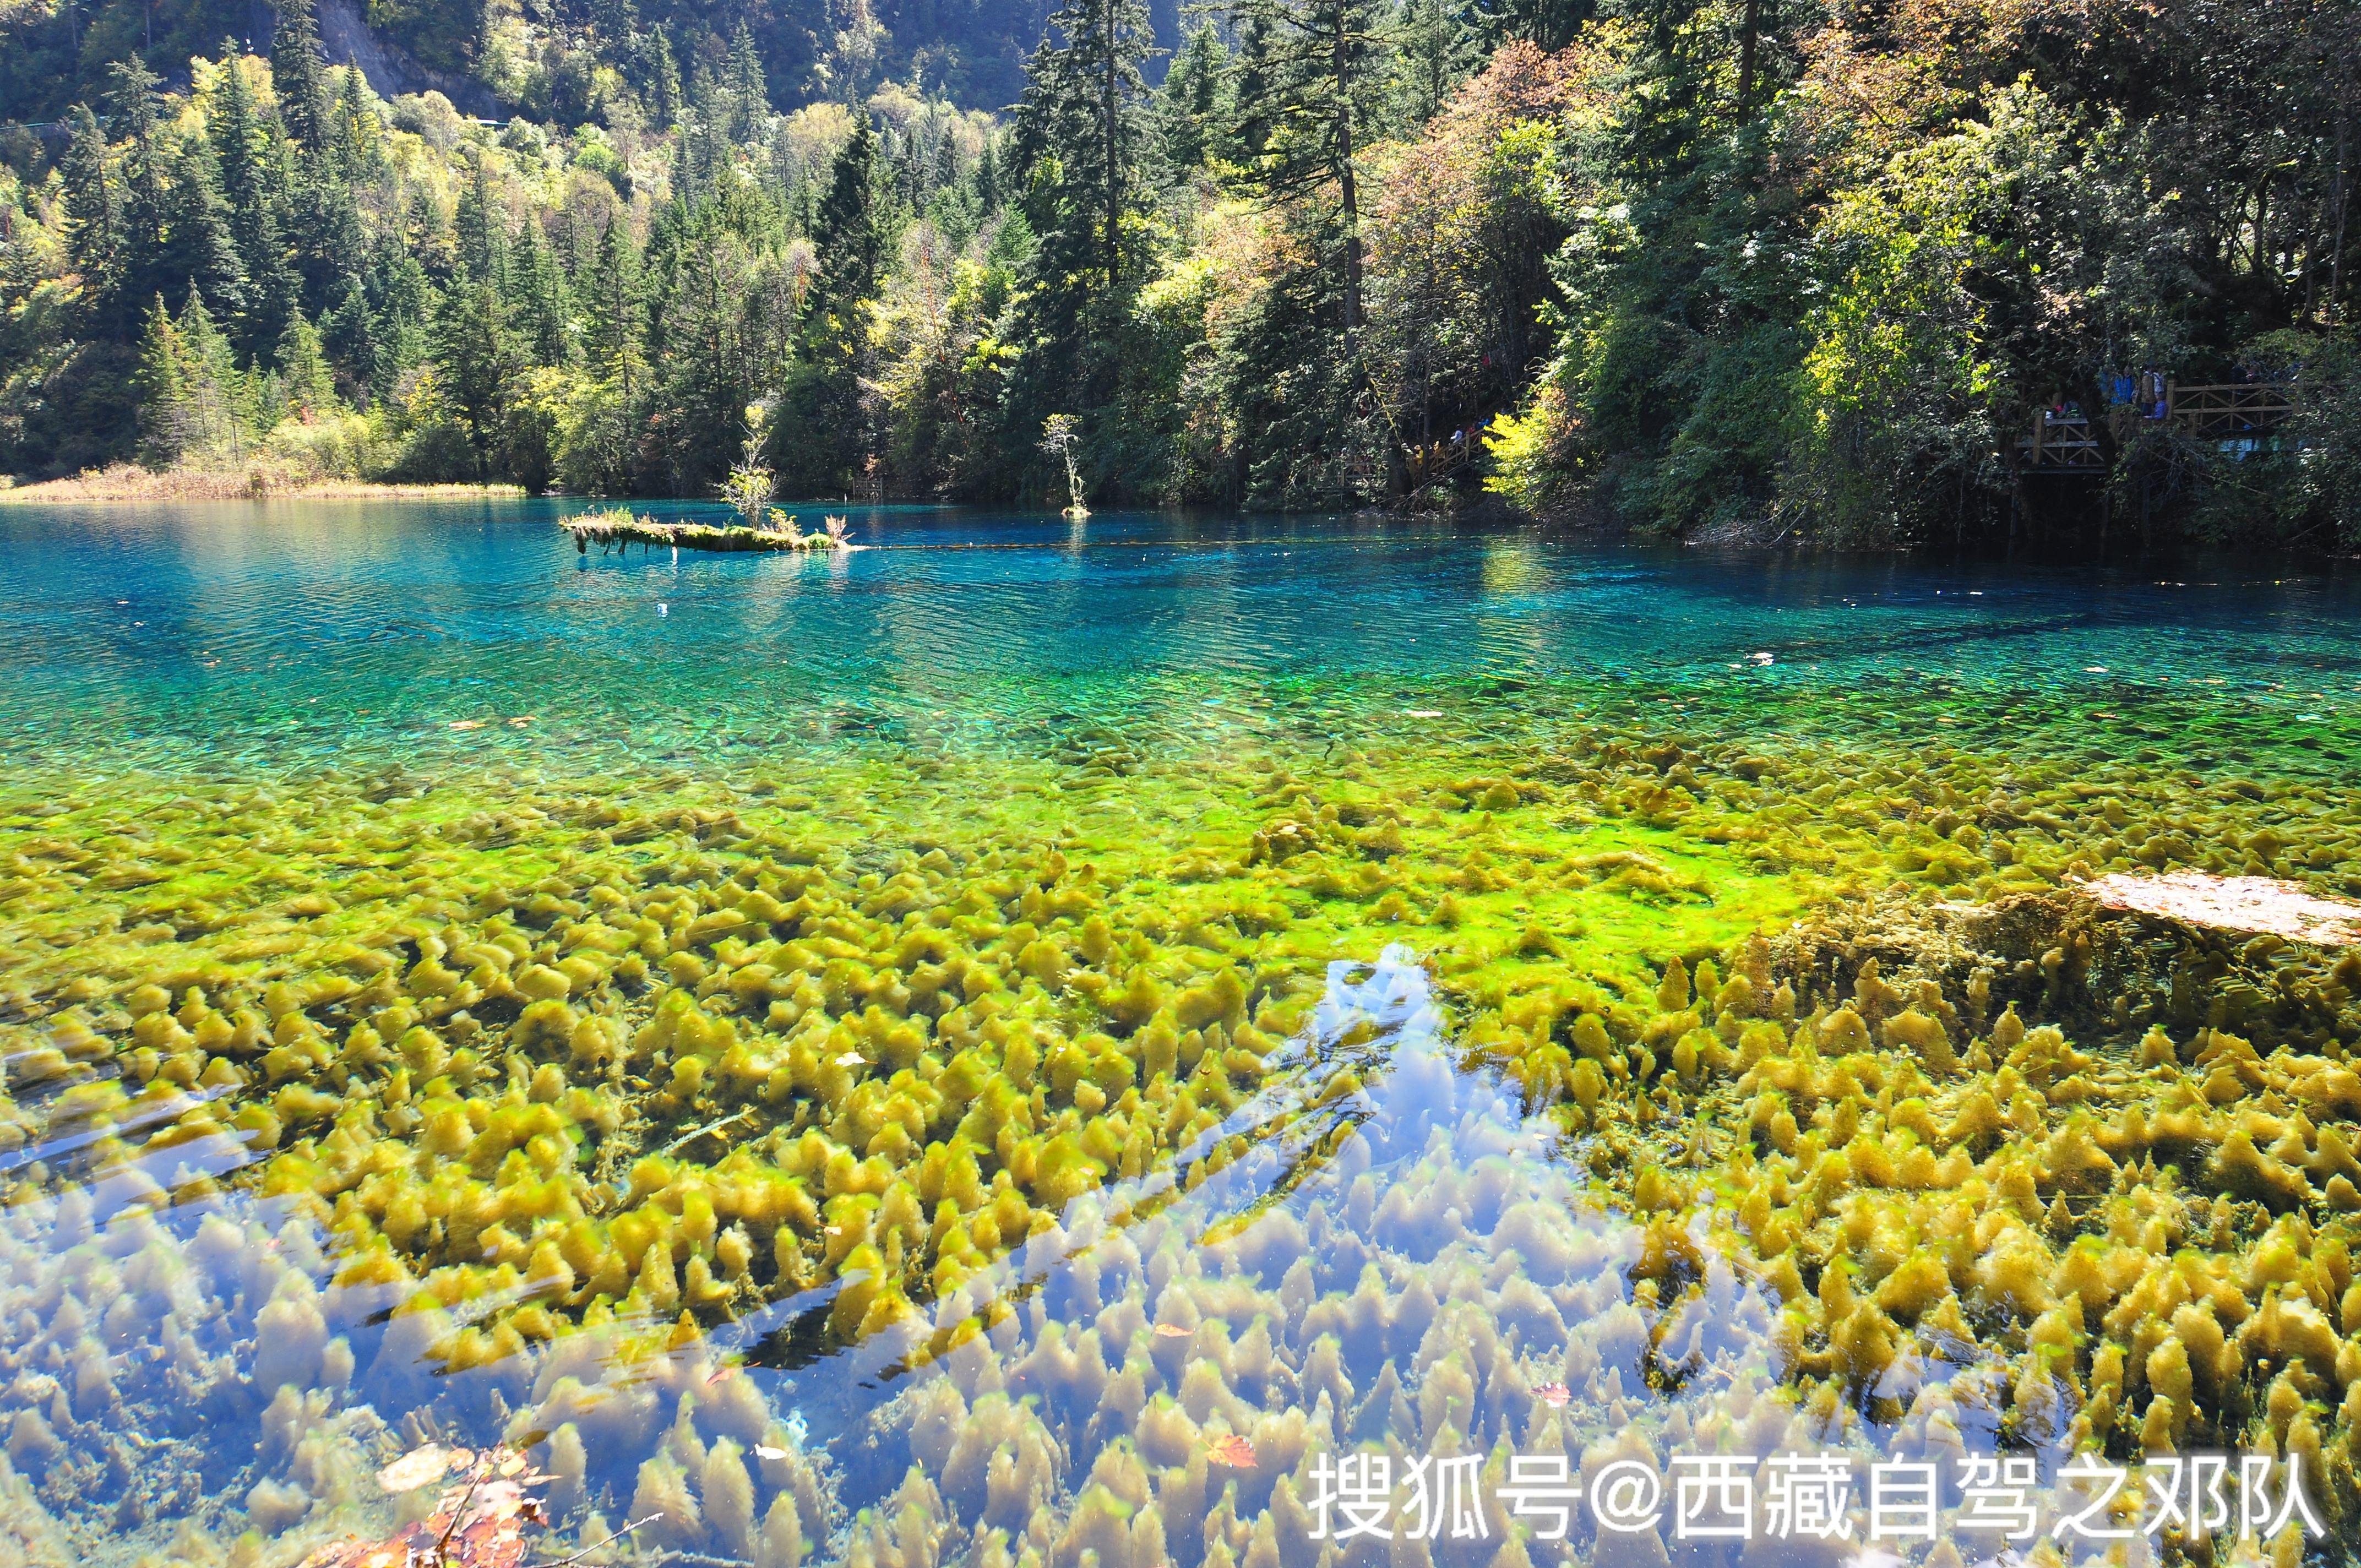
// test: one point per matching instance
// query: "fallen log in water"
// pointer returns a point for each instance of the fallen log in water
(620, 528)
(2262, 905)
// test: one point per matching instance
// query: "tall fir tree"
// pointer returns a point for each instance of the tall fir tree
(1312, 92)
(196, 251)
(476, 362)
(305, 382)
(479, 228)
(132, 93)
(247, 154)
(1080, 130)
(94, 218)
(745, 87)
(360, 133)
(300, 78)
(544, 329)
(663, 80)
(1190, 131)
(195, 401)
(1435, 50)
(821, 441)
(846, 229)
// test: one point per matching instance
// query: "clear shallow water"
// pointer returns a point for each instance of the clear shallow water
(244, 749)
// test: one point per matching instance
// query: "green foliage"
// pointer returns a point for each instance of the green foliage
(1706, 267)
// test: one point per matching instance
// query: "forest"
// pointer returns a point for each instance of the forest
(1724, 270)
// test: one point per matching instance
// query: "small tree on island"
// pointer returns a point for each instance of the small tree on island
(1061, 434)
(751, 483)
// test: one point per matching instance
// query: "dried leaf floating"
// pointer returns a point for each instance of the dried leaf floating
(479, 1522)
(2233, 904)
(1233, 1451)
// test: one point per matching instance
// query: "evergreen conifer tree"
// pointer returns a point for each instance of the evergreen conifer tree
(304, 380)
(476, 362)
(301, 79)
(1080, 131)
(1189, 108)
(359, 140)
(480, 230)
(664, 81)
(1313, 91)
(246, 155)
(546, 334)
(160, 379)
(132, 91)
(851, 240)
(94, 222)
(746, 86)
(196, 249)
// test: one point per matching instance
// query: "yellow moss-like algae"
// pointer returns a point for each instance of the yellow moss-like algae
(570, 1071)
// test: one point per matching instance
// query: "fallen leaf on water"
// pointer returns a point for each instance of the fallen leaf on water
(420, 1466)
(1173, 1330)
(1553, 1395)
(1233, 1451)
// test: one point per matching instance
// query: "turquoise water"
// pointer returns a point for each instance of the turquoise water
(128, 637)
(305, 810)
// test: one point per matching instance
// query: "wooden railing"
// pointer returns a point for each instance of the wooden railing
(2220, 411)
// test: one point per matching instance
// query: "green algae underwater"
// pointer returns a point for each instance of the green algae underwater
(1011, 1045)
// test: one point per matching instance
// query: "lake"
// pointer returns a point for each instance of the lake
(1022, 1040)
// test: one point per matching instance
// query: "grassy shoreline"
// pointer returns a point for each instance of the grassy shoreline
(128, 482)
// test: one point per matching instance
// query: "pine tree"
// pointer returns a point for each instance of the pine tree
(1189, 109)
(196, 250)
(611, 343)
(94, 222)
(475, 361)
(360, 134)
(161, 381)
(546, 334)
(1551, 24)
(745, 86)
(349, 336)
(133, 93)
(480, 229)
(1436, 52)
(663, 83)
(303, 376)
(300, 77)
(1314, 88)
(246, 154)
(1081, 128)
(194, 402)
(850, 240)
